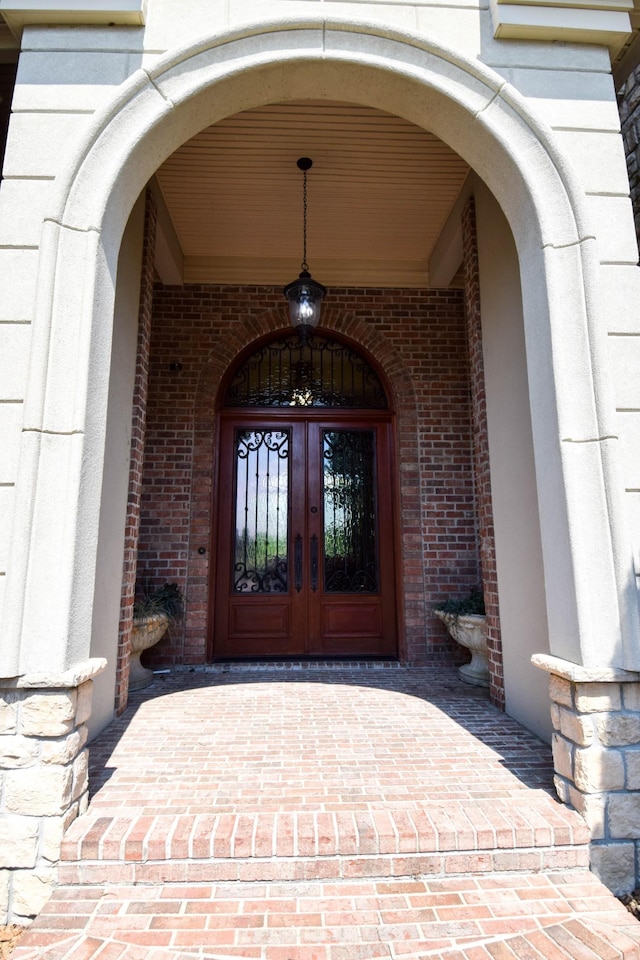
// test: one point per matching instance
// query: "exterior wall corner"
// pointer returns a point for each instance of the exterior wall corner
(43, 781)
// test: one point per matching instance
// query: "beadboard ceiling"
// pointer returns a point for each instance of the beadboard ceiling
(379, 191)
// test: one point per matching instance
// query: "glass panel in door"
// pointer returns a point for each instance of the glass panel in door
(260, 556)
(349, 500)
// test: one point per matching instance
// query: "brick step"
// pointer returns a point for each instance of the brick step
(428, 840)
(527, 916)
(211, 870)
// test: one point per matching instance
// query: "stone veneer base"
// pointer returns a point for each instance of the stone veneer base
(43, 780)
(596, 752)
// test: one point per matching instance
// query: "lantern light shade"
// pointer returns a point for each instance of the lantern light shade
(305, 294)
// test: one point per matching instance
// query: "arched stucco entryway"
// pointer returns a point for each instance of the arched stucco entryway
(590, 603)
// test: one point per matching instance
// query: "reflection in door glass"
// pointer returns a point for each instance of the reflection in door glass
(262, 498)
(349, 512)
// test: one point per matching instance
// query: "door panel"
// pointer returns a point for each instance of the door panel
(305, 544)
(351, 618)
(274, 618)
(256, 611)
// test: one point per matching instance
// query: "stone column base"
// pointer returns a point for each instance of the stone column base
(43, 780)
(596, 755)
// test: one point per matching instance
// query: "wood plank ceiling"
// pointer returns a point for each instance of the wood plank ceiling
(380, 191)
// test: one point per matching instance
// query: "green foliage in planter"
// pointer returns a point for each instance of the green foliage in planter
(473, 604)
(166, 599)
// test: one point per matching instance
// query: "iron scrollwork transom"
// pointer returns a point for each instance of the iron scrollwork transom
(320, 373)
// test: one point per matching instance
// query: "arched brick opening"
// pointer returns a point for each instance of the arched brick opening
(369, 341)
(429, 393)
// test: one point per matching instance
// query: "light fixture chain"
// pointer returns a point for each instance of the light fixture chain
(305, 294)
(305, 265)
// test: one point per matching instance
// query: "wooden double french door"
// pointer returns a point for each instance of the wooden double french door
(305, 555)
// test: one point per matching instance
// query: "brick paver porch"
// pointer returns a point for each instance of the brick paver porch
(326, 812)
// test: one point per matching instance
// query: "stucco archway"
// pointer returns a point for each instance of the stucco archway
(591, 608)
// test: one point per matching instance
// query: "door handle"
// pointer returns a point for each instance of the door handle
(314, 563)
(297, 560)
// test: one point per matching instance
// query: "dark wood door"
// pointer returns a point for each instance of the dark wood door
(305, 547)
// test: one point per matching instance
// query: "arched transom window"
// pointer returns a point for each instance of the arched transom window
(322, 372)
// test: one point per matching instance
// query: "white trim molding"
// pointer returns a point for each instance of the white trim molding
(603, 22)
(21, 13)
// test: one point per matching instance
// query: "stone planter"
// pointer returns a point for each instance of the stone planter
(470, 631)
(146, 631)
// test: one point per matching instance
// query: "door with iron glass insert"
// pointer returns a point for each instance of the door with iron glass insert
(305, 544)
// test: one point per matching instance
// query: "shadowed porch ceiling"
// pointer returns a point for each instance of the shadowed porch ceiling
(380, 191)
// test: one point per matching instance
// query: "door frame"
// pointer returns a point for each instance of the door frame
(329, 413)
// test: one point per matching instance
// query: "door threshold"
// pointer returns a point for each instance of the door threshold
(281, 665)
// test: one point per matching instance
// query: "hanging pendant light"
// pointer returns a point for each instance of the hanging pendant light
(305, 294)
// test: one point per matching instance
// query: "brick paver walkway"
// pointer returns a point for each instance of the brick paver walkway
(325, 813)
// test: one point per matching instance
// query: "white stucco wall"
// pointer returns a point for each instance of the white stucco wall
(56, 93)
(523, 614)
(66, 74)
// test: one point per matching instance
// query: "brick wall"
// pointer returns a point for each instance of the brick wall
(138, 427)
(419, 340)
(482, 469)
(629, 103)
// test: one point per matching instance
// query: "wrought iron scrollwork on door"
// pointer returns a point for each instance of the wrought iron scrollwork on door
(350, 524)
(261, 528)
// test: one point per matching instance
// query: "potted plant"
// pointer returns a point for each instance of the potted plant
(466, 621)
(154, 611)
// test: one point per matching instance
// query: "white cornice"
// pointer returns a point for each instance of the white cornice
(627, 62)
(20, 13)
(605, 22)
(576, 21)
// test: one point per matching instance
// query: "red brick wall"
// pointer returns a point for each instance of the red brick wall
(482, 470)
(419, 340)
(138, 419)
(629, 106)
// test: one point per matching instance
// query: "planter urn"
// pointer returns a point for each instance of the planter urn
(146, 632)
(470, 631)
